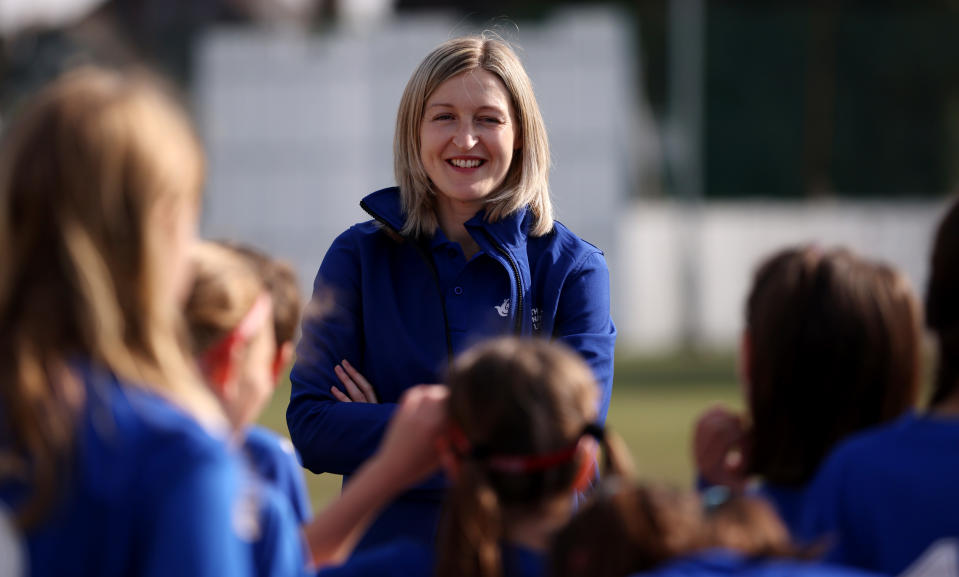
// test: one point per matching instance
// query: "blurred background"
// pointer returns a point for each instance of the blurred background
(689, 140)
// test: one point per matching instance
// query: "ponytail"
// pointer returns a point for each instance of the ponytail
(521, 453)
(472, 527)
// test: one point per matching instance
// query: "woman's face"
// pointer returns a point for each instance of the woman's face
(467, 137)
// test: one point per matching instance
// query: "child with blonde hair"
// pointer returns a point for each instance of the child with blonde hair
(112, 451)
(230, 313)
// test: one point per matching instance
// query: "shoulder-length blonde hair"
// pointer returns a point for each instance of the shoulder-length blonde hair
(92, 175)
(527, 180)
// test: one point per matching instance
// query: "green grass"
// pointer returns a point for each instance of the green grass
(655, 401)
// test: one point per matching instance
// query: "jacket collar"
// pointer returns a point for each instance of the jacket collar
(509, 232)
(384, 205)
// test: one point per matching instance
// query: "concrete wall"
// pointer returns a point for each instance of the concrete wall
(685, 270)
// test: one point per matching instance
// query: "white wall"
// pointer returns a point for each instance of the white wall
(724, 244)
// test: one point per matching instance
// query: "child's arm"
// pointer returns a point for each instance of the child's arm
(407, 455)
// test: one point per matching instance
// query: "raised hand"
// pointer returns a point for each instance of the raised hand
(719, 447)
(410, 446)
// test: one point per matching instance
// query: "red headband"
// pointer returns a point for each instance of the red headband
(511, 463)
(217, 355)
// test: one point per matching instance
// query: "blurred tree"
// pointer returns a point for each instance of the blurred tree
(826, 98)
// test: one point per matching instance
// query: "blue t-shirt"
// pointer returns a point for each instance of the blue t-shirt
(407, 558)
(278, 545)
(274, 461)
(720, 563)
(151, 493)
(789, 502)
(885, 495)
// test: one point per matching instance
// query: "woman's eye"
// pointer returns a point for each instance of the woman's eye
(444, 116)
(491, 120)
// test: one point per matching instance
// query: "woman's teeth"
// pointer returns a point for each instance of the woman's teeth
(462, 163)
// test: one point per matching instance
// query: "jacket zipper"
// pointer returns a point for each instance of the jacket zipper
(518, 319)
(424, 253)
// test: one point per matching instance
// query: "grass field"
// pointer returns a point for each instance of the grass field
(654, 403)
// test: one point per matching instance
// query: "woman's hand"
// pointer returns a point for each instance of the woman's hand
(409, 451)
(719, 448)
(358, 389)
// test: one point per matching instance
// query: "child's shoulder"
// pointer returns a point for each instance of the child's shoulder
(269, 450)
(129, 435)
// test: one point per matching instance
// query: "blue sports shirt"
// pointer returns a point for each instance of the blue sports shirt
(151, 493)
(885, 495)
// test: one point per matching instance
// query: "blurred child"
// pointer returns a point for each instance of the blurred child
(105, 462)
(888, 494)
(231, 318)
(521, 441)
(647, 530)
(272, 456)
(831, 346)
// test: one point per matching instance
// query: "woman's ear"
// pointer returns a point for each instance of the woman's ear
(586, 452)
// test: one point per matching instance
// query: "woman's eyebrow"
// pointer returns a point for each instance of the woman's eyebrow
(492, 107)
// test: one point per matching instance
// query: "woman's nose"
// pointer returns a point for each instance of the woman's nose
(465, 138)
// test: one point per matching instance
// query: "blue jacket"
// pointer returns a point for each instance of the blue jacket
(399, 309)
(150, 493)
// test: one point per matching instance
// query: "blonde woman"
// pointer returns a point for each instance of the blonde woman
(463, 249)
(112, 451)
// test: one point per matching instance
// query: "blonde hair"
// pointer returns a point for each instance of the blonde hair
(527, 180)
(87, 174)
(281, 280)
(225, 288)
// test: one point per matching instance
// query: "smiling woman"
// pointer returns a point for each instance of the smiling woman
(463, 249)
(467, 140)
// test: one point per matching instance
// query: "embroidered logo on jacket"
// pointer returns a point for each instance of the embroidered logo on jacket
(502, 309)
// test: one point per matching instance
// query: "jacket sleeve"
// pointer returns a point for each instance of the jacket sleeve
(584, 323)
(333, 437)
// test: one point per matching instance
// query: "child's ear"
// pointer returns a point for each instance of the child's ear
(586, 453)
(448, 459)
(283, 357)
(220, 365)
